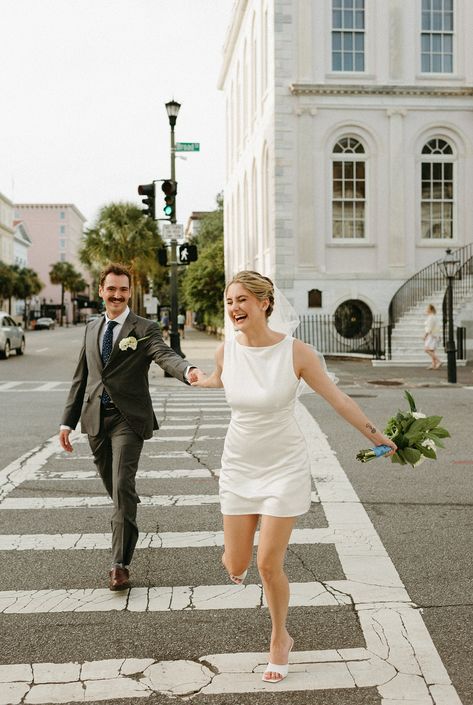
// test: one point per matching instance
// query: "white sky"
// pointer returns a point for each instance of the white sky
(83, 85)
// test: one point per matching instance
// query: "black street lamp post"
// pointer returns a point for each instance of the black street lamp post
(172, 109)
(449, 266)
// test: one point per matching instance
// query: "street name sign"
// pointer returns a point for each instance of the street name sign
(187, 146)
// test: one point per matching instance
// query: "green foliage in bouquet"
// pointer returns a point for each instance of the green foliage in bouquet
(416, 435)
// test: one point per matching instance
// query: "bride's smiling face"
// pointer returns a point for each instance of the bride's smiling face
(244, 308)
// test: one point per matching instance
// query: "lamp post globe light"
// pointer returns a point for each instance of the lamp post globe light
(172, 109)
(449, 267)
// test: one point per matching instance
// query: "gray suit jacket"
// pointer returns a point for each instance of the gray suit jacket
(125, 377)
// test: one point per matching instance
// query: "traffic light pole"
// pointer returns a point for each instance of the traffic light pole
(174, 335)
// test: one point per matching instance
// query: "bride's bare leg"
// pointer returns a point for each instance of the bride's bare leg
(275, 533)
(239, 533)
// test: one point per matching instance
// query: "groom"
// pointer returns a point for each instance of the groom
(110, 396)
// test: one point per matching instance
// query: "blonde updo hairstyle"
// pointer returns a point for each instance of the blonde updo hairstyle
(258, 285)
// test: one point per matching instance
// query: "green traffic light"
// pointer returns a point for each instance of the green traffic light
(167, 210)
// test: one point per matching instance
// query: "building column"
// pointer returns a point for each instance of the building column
(396, 213)
(305, 196)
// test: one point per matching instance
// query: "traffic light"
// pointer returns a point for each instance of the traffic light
(148, 190)
(187, 253)
(170, 189)
(163, 257)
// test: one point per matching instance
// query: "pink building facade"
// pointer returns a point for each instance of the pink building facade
(56, 231)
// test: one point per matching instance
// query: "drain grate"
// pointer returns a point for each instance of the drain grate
(387, 382)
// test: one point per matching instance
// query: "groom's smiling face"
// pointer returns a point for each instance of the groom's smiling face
(116, 293)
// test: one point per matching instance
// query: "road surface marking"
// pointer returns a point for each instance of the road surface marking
(181, 597)
(352, 543)
(141, 474)
(179, 500)
(4, 386)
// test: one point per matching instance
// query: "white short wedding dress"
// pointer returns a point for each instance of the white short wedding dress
(265, 463)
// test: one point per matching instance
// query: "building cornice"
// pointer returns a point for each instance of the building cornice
(53, 205)
(345, 89)
(233, 32)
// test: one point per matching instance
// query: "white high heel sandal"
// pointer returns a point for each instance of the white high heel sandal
(239, 579)
(282, 670)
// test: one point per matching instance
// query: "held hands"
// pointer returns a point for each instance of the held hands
(195, 377)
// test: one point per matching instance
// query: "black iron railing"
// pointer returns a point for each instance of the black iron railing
(320, 331)
(431, 280)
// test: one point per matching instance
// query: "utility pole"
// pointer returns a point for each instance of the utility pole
(172, 109)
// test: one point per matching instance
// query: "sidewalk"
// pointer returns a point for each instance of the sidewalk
(199, 348)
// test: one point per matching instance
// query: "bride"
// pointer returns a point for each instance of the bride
(265, 470)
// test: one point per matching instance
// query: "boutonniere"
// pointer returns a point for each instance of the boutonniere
(131, 342)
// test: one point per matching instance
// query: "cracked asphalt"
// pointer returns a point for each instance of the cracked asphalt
(424, 518)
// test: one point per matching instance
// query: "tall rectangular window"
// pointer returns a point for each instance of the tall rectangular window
(437, 36)
(348, 35)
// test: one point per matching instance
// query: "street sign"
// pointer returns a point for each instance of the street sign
(172, 231)
(187, 146)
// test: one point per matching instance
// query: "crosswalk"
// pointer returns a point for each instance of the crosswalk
(398, 659)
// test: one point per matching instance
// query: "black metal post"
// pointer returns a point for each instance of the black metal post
(450, 345)
(175, 338)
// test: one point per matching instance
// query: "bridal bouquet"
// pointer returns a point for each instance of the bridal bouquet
(416, 435)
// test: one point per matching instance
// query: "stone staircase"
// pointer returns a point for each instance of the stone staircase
(407, 340)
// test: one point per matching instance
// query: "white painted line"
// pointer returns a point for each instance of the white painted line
(346, 541)
(47, 387)
(141, 474)
(212, 674)
(394, 631)
(8, 385)
(41, 350)
(183, 500)
(164, 599)
(358, 544)
(26, 466)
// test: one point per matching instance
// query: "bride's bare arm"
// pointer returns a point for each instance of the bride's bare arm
(308, 366)
(214, 379)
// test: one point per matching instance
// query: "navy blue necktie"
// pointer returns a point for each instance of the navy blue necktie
(107, 346)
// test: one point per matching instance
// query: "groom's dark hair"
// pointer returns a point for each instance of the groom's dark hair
(115, 268)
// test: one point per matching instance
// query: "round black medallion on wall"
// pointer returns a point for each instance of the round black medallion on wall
(353, 319)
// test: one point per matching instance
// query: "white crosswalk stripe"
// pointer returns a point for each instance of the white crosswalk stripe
(399, 659)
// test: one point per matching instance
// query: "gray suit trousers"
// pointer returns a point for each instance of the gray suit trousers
(117, 449)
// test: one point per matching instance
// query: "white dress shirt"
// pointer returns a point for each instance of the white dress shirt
(119, 320)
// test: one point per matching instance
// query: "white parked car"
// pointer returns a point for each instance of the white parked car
(12, 336)
(45, 322)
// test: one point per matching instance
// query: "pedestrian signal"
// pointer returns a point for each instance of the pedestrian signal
(187, 253)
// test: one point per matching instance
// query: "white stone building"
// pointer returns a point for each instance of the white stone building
(6, 230)
(349, 143)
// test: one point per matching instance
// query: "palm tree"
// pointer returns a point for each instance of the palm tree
(123, 234)
(68, 277)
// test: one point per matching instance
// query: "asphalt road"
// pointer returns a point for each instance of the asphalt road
(424, 518)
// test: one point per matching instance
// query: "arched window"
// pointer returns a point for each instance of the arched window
(437, 190)
(348, 189)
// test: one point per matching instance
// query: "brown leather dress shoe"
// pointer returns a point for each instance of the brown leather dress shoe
(119, 579)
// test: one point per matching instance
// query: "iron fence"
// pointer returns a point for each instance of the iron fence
(320, 331)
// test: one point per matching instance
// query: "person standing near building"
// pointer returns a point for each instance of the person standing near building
(110, 395)
(432, 337)
(181, 321)
(265, 470)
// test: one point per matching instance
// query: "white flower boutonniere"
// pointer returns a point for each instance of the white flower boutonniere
(130, 342)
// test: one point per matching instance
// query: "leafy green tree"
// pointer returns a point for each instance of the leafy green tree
(7, 283)
(204, 281)
(27, 284)
(123, 234)
(65, 274)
